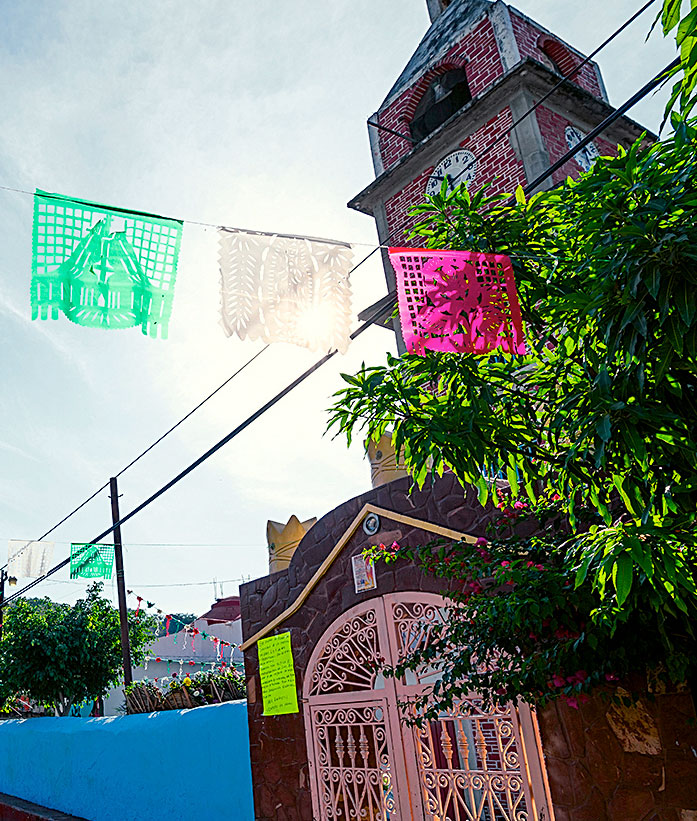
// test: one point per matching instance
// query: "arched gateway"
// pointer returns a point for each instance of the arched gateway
(366, 764)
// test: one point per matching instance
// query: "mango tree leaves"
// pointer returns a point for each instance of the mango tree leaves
(681, 16)
(603, 409)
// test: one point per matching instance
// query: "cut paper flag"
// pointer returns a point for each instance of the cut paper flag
(285, 289)
(103, 267)
(459, 301)
(28, 559)
(277, 673)
(91, 561)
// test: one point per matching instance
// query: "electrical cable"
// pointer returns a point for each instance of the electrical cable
(485, 151)
(552, 90)
(171, 544)
(375, 316)
(380, 307)
(157, 441)
(211, 451)
(142, 586)
(657, 80)
(143, 453)
(616, 114)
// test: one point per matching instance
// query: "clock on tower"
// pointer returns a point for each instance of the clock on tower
(458, 168)
(480, 66)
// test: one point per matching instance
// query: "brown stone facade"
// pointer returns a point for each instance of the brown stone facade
(595, 770)
(633, 763)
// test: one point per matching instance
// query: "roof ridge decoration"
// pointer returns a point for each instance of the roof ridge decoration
(401, 518)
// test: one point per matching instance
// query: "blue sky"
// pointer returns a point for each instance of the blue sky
(246, 114)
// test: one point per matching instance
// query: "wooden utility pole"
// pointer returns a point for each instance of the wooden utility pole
(120, 583)
(3, 576)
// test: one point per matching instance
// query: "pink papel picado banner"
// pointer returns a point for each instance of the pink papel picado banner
(457, 301)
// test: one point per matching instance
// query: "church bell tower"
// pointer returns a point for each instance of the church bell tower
(436, 7)
(480, 66)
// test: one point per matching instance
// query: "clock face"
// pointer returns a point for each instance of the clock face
(586, 156)
(458, 168)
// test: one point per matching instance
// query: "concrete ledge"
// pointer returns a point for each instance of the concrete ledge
(17, 809)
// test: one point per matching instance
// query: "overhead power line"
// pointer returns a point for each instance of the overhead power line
(405, 137)
(380, 307)
(176, 544)
(553, 90)
(144, 452)
(164, 435)
(173, 584)
(616, 114)
(211, 451)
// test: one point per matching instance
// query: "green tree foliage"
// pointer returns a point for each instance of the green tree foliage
(680, 16)
(602, 412)
(605, 402)
(60, 655)
(523, 623)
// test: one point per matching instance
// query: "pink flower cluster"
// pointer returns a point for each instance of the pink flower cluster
(472, 588)
(564, 633)
(575, 701)
(579, 677)
(391, 550)
(480, 549)
(512, 512)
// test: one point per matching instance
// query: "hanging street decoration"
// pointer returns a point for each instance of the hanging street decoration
(459, 301)
(285, 289)
(188, 629)
(91, 561)
(28, 559)
(103, 267)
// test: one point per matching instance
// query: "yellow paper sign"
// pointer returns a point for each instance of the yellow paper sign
(277, 673)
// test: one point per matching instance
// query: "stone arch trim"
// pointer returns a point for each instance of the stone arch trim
(421, 86)
(429, 527)
(557, 51)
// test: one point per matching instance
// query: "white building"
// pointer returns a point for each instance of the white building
(185, 653)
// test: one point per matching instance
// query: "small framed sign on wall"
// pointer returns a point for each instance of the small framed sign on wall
(363, 573)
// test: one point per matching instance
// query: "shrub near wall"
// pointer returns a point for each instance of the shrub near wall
(188, 763)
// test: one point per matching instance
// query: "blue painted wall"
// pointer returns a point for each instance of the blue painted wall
(191, 764)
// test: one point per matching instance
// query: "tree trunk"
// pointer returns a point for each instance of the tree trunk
(62, 707)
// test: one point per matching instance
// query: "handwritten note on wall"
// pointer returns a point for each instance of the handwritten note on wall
(277, 673)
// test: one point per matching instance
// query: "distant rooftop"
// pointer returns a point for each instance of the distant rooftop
(227, 609)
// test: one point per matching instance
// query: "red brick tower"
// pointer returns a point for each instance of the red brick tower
(480, 66)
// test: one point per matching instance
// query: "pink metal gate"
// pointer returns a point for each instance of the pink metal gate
(368, 765)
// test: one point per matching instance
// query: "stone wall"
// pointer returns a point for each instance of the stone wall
(623, 763)
(604, 763)
(278, 749)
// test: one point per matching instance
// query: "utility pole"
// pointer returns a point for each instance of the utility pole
(120, 583)
(3, 576)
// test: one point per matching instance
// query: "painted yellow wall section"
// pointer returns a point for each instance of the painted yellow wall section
(383, 462)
